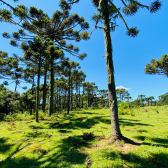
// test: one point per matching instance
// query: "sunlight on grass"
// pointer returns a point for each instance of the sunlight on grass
(69, 141)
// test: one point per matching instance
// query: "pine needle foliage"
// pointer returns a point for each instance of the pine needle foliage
(159, 67)
(61, 28)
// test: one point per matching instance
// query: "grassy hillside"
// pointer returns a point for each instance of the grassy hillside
(81, 140)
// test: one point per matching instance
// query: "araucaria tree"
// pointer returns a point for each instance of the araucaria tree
(108, 12)
(35, 51)
(67, 68)
(159, 67)
(60, 28)
(10, 69)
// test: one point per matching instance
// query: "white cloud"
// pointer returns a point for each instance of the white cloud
(122, 87)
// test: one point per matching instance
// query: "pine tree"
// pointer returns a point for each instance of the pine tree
(60, 28)
(142, 99)
(10, 69)
(37, 51)
(67, 71)
(29, 75)
(108, 12)
(159, 67)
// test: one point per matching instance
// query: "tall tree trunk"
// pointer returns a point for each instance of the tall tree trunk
(57, 100)
(88, 98)
(79, 97)
(31, 111)
(116, 133)
(38, 84)
(16, 84)
(64, 98)
(55, 104)
(76, 95)
(52, 86)
(69, 85)
(44, 90)
(83, 96)
(71, 96)
(60, 100)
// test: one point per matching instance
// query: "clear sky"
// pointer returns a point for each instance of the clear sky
(130, 55)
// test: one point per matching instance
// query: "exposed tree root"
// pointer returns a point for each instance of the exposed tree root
(121, 138)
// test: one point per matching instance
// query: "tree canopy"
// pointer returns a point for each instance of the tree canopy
(159, 67)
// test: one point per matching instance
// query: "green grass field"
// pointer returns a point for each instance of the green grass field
(64, 143)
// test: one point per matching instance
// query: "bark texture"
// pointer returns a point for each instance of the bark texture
(52, 86)
(38, 84)
(44, 90)
(116, 133)
(31, 111)
(69, 87)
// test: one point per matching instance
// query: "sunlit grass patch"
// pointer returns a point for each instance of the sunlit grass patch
(82, 137)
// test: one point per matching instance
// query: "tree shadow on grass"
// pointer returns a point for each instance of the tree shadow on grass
(15, 161)
(4, 147)
(80, 122)
(21, 162)
(64, 131)
(87, 112)
(153, 160)
(160, 140)
(36, 127)
(11, 161)
(67, 153)
(141, 138)
(127, 122)
(157, 141)
(37, 134)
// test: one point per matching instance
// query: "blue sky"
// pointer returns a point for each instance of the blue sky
(130, 55)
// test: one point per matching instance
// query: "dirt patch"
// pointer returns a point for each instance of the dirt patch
(137, 127)
(100, 137)
(130, 130)
(103, 127)
(10, 129)
(99, 131)
(17, 132)
(12, 123)
(122, 147)
(126, 148)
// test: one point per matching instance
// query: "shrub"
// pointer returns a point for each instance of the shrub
(42, 115)
(124, 108)
(9, 117)
(146, 109)
(124, 105)
(123, 111)
(132, 112)
(20, 117)
(54, 116)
